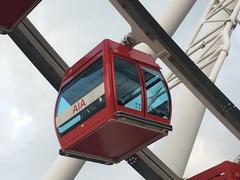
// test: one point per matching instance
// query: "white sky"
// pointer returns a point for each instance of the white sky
(28, 142)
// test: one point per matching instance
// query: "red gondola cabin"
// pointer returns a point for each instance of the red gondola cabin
(112, 103)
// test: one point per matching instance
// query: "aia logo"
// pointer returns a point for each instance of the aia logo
(78, 106)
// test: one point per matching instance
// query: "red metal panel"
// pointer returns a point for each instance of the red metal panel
(115, 141)
(108, 79)
(133, 54)
(85, 129)
(225, 171)
(13, 11)
(96, 120)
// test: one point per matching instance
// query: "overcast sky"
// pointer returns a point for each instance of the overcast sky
(28, 142)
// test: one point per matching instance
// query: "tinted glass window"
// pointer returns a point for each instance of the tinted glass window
(158, 102)
(128, 87)
(81, 98)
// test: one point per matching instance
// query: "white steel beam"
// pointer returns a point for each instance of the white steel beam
(204, 48)
(52, 67)
(39, 52)
(198, 86)
(146, 29)
(64, 168)
(170, 20)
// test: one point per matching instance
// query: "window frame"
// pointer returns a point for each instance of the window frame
(143, 112)
(102, 113)
(74, 81)
(117, 105)
(149, 115)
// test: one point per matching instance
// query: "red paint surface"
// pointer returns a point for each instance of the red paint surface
(224, 171)
(13, 11)
(115, 140)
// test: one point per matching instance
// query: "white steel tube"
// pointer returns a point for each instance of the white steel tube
(226, 35)
(174, 15)
(64, 168)
(200, 23)
(170, 20)
(175, 149)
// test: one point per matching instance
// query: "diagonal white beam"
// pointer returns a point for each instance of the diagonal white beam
(146, 29)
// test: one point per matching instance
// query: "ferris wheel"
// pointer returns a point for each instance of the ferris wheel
(115, 101)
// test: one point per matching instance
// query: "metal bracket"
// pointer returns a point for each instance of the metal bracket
(129, 40)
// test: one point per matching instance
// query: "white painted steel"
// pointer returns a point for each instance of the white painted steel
(230, 24)
(64, 168)
(170, 20)
(175, 158)
(175, 149)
